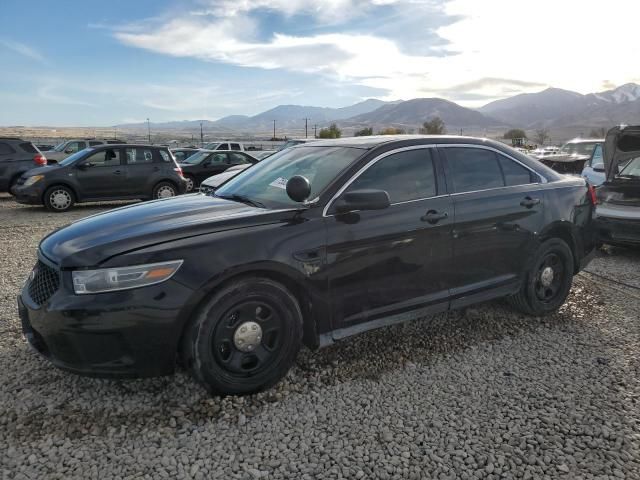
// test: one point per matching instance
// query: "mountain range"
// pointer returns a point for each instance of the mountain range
(553, 108)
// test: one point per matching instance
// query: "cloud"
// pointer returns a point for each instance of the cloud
(479, 52)
(22, 49)
(49, 93)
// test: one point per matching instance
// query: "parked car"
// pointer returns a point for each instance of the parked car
(103, 172)
(236, 146)
(211, 184)
(572, 156)
(181, 154)
(206, 163)
(618, 210)
(44, 146)
(69, 147)
(16, 157)
(544, 152)
(311, 245)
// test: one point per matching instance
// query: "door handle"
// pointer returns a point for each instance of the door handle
(433, 217)
(529, 202)
(117, 172)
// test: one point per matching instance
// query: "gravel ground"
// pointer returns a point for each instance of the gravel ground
(484, 393)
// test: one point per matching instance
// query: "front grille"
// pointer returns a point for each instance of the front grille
(207, 190)
(44, 284)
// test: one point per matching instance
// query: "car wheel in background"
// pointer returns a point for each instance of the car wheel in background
(164, 190)
(191, 183)
(59, 198)
(547, 283)
(245, 338)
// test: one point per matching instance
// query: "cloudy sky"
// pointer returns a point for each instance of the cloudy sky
(78, 62)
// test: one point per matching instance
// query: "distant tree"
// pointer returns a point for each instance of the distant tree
(332, 132)
(515, 133)
(391, 131)
(365, 132)
(435, 126)
(542, 135)
(598, 133)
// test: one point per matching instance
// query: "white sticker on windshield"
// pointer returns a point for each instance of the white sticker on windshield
(279, 183)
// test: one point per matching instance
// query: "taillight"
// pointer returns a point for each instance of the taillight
(592, 195)
(179, 170)
(40, 160)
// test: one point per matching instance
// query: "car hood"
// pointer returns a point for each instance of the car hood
(621, 144)
(93, 240)
(217, 180)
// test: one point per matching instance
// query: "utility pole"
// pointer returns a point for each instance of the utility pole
(315, 131)
(149, 130)
(274, 130)
(201, 136)
(306, 120)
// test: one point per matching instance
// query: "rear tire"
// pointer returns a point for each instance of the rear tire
(59, 198)
(547, 283)
(191, 183)
(245, 338)
(164, 190)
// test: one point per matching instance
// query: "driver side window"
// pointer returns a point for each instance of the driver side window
(597, 155)
(405, 176)
(104, 158)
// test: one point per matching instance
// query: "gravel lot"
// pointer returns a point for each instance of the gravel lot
(484, 393)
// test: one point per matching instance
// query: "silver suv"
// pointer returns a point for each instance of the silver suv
(69, 147)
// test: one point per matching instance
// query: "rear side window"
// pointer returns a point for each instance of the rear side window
(28, 147)
(514, 173)
(473, 169)
(6, 149)
(165, 155)
(139, 155)
(238, 159)
(404, 176)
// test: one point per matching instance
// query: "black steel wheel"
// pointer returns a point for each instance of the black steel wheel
(245, 338)
(548, 281)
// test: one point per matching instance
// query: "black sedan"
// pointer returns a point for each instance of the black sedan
(205, 163)
(313, 244)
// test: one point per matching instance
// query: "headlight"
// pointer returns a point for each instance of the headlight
(33, 179)
(123, 278)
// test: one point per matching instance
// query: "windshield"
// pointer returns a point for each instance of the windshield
(582, 148)
(72, 158)
(196, 158)
(266, 181)
(632, 169)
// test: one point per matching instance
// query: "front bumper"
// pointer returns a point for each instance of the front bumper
(31, 195)
(618, 225)
(127, 334)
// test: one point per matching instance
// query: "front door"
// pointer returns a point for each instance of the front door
(387, 264)
(102, 174)
(498, 207)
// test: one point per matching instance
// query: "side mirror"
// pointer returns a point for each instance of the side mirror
(598, 167)
(69, 150)
(363, 200)
(298, 188)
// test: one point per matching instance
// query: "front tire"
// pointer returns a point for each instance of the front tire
(59, 198)
(548, 281)
(245, 338)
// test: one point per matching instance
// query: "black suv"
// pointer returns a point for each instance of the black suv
(16, 157)
(104, 172)
(311, 245)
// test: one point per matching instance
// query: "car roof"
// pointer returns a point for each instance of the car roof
(119, 145)
(372, 141)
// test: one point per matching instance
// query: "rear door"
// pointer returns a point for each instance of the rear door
(390, 263)
(141, 170)
(499, 208)
(102, 174)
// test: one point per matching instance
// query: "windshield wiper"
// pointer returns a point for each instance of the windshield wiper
(242, 199)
